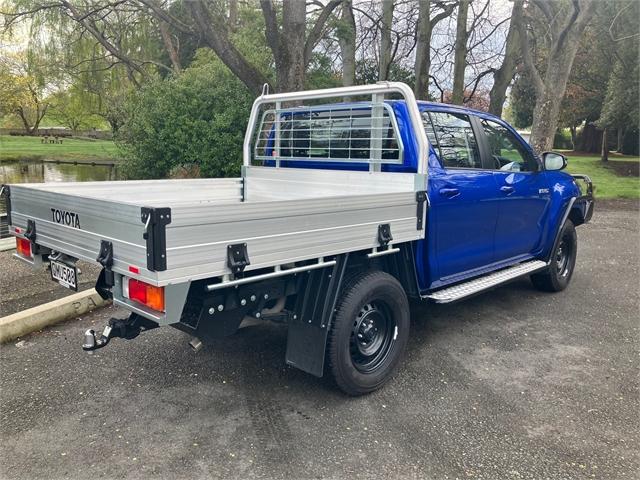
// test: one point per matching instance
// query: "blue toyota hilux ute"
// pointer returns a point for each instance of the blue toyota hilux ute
(344, 212)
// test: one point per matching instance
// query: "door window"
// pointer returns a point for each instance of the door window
(507, 152)
(453, 136)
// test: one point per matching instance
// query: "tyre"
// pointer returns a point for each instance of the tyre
(563, 260)
(369, 332)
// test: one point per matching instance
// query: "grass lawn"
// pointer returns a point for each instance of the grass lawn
(608, 184)
(71, 149)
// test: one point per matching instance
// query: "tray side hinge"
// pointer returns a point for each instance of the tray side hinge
(237, 257)
(30, 234)
(384, 234)
(421, 198)
(105, 279)
(155, 221)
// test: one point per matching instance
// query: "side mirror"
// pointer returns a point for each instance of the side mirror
(554, 161)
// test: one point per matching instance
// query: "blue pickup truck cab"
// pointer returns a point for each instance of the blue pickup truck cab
(493, 202)
(344, 212)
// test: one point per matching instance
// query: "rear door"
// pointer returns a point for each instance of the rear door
(462, 195)
(521, 191)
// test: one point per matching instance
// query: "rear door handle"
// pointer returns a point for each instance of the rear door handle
(449, 192)
(507, 189)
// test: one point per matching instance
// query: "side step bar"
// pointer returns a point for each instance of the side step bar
(471, 287)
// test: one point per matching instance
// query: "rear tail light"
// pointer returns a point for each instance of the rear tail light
(148, 295)
(23, 247)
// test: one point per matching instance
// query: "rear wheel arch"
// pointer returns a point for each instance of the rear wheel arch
(557, 275)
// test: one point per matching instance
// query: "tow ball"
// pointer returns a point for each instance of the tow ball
(127, 328)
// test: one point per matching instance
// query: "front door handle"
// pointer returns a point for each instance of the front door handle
(507, 189)
(449, 192)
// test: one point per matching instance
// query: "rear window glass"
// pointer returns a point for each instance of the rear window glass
(339, 134)
(453, 135)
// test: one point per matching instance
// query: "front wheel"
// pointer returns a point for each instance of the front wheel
(369, 332)
(563, 260)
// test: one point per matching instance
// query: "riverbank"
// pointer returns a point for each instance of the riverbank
(70, 150)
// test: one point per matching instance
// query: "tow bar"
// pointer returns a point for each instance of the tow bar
(128, 328)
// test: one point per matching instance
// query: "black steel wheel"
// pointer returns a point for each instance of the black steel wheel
(563, 260)
(372, 336)
(369, 332)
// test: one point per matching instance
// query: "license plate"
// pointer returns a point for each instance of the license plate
(65, 275)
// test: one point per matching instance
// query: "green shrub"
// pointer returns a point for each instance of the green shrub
(192, 122)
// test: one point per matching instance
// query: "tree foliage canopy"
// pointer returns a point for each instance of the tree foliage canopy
(22, 91)
(194, 121)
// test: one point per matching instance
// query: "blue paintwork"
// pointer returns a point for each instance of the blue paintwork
(479, 228)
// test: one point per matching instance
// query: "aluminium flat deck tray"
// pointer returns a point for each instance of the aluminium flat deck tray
(207, 215)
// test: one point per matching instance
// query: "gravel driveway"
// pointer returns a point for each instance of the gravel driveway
(511, 384)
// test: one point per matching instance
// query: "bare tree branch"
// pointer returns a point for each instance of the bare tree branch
(316, 31)
(536, 79)
(214, 34)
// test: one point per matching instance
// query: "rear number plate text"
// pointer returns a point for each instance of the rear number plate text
(64, 274)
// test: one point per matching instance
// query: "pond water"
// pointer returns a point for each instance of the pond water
(36, 172)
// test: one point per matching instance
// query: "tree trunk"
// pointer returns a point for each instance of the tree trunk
(169, 46)
(562, 51)
(574, 137)
(545, 113)
(545, 120)
(620, 140)
(40, 113)
(347, 38)
(290, 65)
(423, 51)
(424, 32)
(503, 76)
(292, 48)
(591, 138)
(460, 57)
(25, 121)
(385, 39)
(605, 146)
